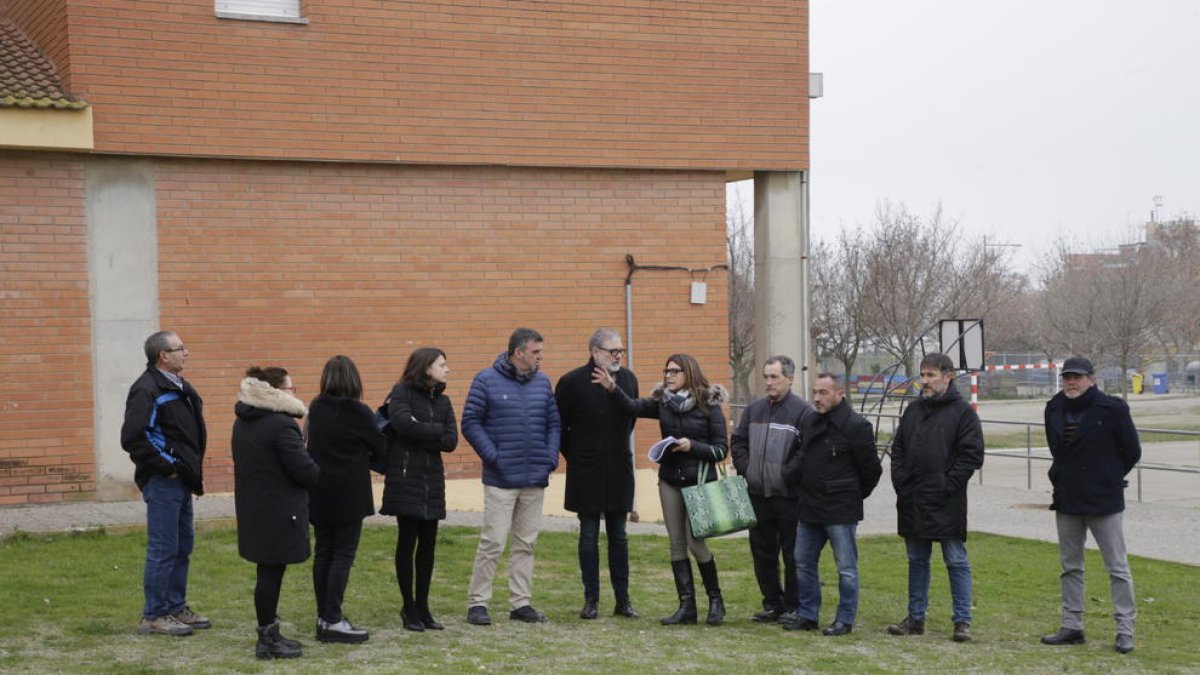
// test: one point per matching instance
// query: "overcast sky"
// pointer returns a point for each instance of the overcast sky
(1030, 121)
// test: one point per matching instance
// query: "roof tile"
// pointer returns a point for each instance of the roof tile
(27, 78)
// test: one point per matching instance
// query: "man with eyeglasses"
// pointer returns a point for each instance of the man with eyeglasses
(766, 435)
(595, 443)
(165, 437)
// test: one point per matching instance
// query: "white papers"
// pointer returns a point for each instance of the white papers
(656, 451)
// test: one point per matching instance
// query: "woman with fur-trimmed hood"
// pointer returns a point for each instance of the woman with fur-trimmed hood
(688, 408)
(272, 472)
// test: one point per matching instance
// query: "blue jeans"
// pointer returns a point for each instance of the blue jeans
(810, 539)
(618, 554)
(954, 553)
(170, 535)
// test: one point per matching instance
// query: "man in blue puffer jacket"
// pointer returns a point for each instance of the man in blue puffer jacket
(511, 420)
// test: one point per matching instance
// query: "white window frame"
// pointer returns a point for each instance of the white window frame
(280, 11)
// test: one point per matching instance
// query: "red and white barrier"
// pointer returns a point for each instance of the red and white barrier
(1008, 367)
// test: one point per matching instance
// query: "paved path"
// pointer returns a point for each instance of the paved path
(1153, 530)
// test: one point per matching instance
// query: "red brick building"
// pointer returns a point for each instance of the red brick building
(360, 177)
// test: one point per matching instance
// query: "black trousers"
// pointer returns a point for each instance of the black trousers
(618, 554)
(775, 534)
(266, 592)
(333, 556)
(415, 546)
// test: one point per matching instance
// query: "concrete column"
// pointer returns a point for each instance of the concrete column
(781, 313)
(122, 227)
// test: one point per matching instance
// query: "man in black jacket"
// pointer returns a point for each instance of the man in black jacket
(595, 443)
(836, 468)
(767, 433)
(936, 448)
(1094, 445)
(165, 437)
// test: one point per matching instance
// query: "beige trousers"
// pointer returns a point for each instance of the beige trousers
(516, 512)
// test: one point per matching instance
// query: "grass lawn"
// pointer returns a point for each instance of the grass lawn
(71, 603)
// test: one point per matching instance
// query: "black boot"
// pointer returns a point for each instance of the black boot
(686, 588)
(716, 604)
(272, 645)
(411, 619)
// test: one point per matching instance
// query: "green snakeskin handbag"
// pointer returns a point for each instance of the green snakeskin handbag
(720, 507)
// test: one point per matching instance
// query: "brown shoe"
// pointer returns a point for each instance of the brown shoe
(909, 626)
(189, 618)
(962, 632)
(164, 625)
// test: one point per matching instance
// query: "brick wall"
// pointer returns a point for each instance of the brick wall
(289, 263)
(45, 22)
(46, 449)
(600, 83)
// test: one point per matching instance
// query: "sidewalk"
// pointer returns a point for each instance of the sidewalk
(1152, 530)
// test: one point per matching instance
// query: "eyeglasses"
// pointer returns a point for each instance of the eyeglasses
(180, 348)
(671, 372)
(615, 352)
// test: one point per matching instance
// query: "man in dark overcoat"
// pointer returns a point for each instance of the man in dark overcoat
(1094, 445)
(835, 469)
(935, 450)
(595, 443)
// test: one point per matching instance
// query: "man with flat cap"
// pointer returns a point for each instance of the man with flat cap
(1094, 445)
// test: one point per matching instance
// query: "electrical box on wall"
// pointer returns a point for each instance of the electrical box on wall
(699, 292)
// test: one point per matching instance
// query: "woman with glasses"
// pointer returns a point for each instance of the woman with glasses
(343, 439)
(423, 427)
(687, 408)
(272, 472)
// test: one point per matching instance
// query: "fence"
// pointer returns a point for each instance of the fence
(1034, 430)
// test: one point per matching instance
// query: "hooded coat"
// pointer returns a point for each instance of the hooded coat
(272, 472)
(1088, 471)
(511, 420)
(936, 448)
(342, 439)
(595, 441)
(422, 428)
(706, 429)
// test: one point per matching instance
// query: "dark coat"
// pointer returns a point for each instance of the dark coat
(422, 428)
(836, 466)
(272, 472)
(766, 436)
(180, 422)
(512, 423)
(1088, 472)
(595, 442)
(342, 439)
(937, 447)
(706, 430)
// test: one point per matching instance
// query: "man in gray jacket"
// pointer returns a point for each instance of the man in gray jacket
(767, 433)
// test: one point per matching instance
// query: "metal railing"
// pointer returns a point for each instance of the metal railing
(1032, 430)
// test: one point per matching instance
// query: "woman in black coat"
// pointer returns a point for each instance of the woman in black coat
(342, 439)
(272, 472)
(422, 426)
(688, 408)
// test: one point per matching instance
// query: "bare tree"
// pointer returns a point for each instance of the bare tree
(908, 267)
(1106, 305)
(1176, 248)
(889, 284)
(839, 326)
(740, 228)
